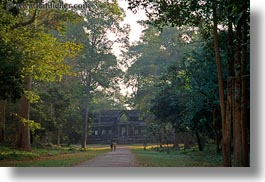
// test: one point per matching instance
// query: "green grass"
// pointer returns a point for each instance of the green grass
(184, 158)
(48, 157)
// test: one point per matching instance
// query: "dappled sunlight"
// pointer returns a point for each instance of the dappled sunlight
(95, 148)
(149, 146)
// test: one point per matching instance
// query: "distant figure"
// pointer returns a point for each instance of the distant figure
(114, 145)
(111, 146)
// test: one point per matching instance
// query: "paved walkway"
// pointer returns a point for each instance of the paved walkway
(122, 157)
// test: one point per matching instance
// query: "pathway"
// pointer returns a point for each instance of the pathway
(122, 157)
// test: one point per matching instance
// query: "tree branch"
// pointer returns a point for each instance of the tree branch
(30, 21)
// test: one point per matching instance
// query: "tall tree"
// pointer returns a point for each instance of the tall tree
(97, 66)
(240, 116)
(225, 123)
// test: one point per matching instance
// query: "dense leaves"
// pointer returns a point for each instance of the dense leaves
(11, 86)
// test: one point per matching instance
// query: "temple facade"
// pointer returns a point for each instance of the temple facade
(124, 126)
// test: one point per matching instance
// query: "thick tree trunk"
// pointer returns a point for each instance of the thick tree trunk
(3, 104)
(220, 82)
(86, 117)
(226, 141)
(23, 112)
(244, 115)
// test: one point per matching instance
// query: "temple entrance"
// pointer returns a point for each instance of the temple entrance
(125, 126)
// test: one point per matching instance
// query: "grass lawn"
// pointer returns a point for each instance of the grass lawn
(183, 158)
(48, 157)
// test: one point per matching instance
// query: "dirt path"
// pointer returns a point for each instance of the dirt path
(122, 157)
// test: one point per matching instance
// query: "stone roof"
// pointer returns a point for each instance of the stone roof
(111, 116)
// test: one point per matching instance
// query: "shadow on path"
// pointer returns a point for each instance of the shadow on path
(122, 157)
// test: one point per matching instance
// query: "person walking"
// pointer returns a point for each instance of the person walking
(111, 146)
(114, 145)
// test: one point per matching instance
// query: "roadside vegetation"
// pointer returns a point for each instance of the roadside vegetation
(154, 156)
(48, 156)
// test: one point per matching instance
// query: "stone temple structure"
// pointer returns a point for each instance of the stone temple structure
(123, 126)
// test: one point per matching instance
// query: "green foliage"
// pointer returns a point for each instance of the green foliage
(187, 92)
(32, 124)
(174, 13)
(160, 132)
(31, 51)
(49, 156)
(151, 57)
(32, 96)
(45, 56)
(188, 158)
(11, 84)
(59, 107)
(107, 101)
(176, 80)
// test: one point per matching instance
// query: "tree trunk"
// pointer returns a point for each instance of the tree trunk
(226, 136)
(23, 112)
(3, 104)
(200, 145)
(226, 141)
(175, 142)
(237, 129)
(86, 117)
(244, 115)
(220, 79)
